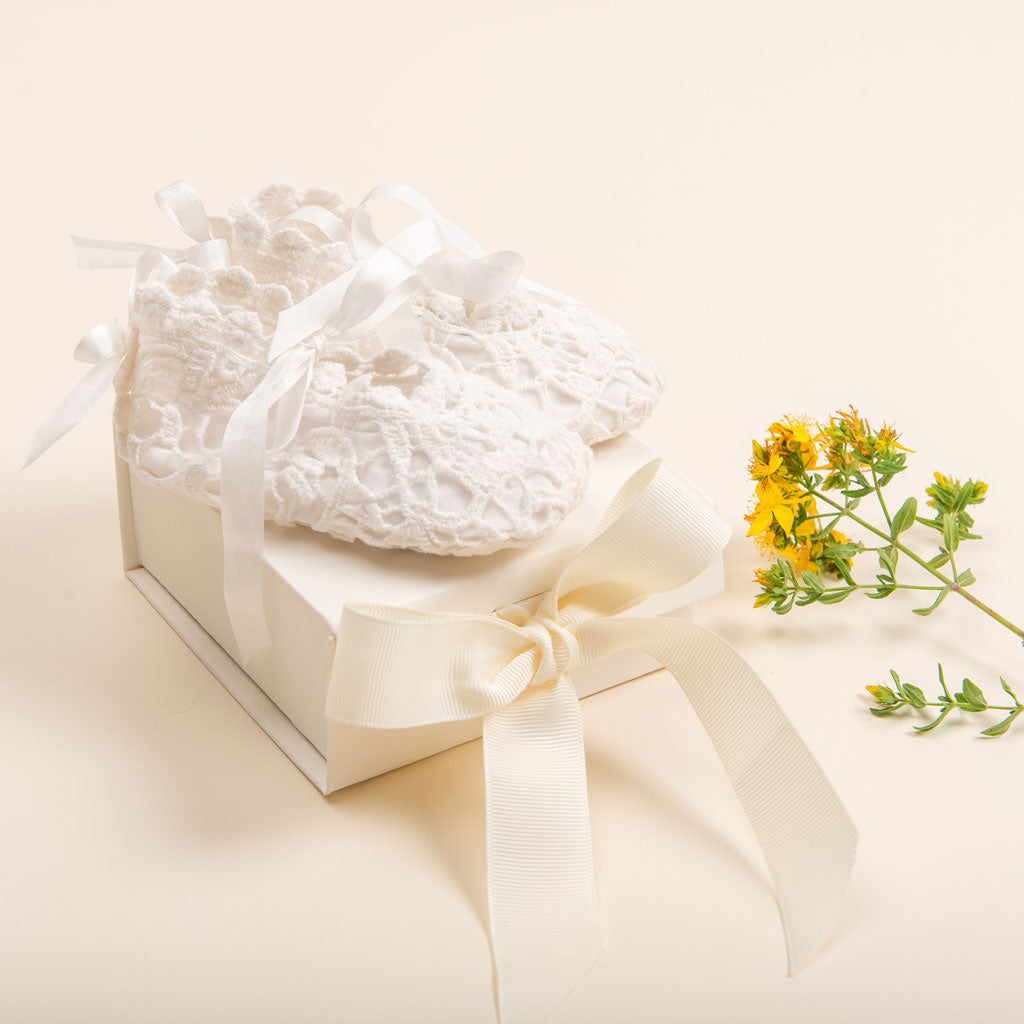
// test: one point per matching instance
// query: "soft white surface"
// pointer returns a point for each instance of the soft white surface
(792, 206)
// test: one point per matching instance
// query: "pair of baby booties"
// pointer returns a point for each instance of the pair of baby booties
(477, 443)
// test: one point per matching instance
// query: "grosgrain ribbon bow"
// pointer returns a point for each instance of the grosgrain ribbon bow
(404, 668)
(373, 295)
(103, 345)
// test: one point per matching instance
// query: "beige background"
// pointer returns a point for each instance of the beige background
(793, 206)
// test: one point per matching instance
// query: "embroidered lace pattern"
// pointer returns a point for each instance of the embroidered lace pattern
(565, 361)
(391, 450)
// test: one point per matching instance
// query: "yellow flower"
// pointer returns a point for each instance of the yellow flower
(774, 505)
(888, 439)
(849, 439)
(794, 441)
(764, 470)
(801, 557)
(785, 519)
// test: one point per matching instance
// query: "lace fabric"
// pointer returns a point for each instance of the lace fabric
(480, 445)
(566, 361)
(391, 450)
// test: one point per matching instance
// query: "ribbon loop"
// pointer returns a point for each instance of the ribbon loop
(103, 348)
(486, 279)
(181, 204)
(405, 668)
(330, 226)
(102, 342)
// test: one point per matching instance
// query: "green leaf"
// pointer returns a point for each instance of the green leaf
(963, 496)
(835, 596)
(883, 711)
(1000, 727)
(904, 518)
(812, 581)
(939, 560)
(847, 550)
(974, 696)
(1006, 687)
(888, 466)
(942, 597)
(915, 695)
(950, 532)
(942, 680)
(844, 570)
(931, 725)
(966, 578)
(888, 558)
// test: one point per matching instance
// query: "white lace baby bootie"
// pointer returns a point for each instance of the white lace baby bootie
(391, 449)
(562, 358)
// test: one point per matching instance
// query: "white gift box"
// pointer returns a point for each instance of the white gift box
(173, 553)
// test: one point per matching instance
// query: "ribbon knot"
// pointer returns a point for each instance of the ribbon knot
(557, 645)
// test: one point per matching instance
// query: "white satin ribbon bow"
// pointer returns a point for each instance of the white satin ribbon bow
(103, 345)
(373, 295)
(402, 668)
(181, 204)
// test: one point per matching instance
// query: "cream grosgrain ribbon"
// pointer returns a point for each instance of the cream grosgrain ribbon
(404, 668)
(103, 345)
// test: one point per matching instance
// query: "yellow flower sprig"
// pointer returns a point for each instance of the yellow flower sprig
(809, 477)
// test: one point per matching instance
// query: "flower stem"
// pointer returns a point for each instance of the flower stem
(881, 500)
(957, 705)
(988, 611)
(942, 577)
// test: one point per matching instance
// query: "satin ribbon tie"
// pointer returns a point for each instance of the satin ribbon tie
(373, 295)
(103, 345)
(181, 204)
(400, 668)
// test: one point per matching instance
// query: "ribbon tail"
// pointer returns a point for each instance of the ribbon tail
(805, 833)
(545, 929)
(242, 499)
(97, 253)
(70, 412)
(558, 298)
